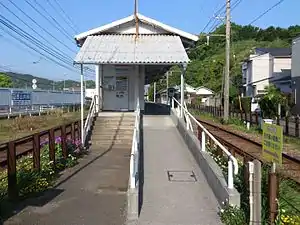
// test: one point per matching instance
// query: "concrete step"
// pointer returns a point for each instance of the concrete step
(112, 130)
(115, 119)
(112, 136)
(108, 142)
(116, 126)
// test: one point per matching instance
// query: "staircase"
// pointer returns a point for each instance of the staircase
(112, 139)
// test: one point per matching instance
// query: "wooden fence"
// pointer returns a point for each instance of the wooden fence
(12, 150)
(290, 125)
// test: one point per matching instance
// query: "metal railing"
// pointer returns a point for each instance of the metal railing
(89, 119)
(232, 162)
(134, 157)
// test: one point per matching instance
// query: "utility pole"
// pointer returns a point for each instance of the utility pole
(227, 65)
(136, 19)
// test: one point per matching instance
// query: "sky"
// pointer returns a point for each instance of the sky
(189, 15)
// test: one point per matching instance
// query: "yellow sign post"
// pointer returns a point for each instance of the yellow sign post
(272, 143)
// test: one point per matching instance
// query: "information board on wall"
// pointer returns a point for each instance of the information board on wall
(272, 143)
(21, 98)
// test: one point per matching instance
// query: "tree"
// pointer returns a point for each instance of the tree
(270, 101)
(5, 81)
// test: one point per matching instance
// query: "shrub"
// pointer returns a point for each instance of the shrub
(31, 181)
(246, 104)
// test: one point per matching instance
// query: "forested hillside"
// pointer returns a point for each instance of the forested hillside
(18, 80)
(208, 62)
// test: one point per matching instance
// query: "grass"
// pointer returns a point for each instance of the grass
(18, 127)
(292, 143)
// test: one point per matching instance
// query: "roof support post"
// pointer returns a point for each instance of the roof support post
(183, 69)
(97, 86)
(82, 105)
(154, 92)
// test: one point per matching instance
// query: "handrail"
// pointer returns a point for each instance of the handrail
(232, 159)
(89, 119)
(134, 157)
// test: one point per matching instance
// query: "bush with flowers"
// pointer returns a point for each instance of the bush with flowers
(32, 181)
(289, 197)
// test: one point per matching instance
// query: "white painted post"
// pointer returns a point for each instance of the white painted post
(97, 86)
(172, 103)
(154, 92)
(82, 106)
(136, 90)
(203, 141)
(100, 97)
(230, 174)
(257, 192)
(181, 94)
(251, 202)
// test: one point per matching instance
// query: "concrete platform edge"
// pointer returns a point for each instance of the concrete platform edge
(132, 206)
(209, 167)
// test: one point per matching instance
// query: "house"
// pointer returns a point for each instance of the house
(267, 66)
(296, 75)
(204, 93)
(191, 93)
(128, 54)
(162, 95)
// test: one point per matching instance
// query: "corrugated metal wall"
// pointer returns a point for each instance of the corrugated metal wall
(41, 97)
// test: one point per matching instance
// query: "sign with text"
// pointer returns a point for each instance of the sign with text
(272, 143)
(21, 98)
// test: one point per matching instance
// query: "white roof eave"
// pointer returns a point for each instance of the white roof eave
(142, 18)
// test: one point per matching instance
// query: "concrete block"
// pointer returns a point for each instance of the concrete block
(209, 167)
(132, 206)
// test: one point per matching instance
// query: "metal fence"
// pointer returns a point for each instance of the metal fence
(21, 100)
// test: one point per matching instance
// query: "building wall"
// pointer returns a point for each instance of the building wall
(129, 28)
(136, 79)
(259, 71)
(38, 97)
(282, 63)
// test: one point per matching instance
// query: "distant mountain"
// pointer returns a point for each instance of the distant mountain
(25, 81)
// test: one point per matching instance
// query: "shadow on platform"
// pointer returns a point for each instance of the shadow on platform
(152, 108)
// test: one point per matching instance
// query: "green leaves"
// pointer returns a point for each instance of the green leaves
(5, 81)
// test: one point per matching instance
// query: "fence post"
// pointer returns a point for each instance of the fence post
(73, 131)
(251, 119)
(246, 170)
(287, 125)
(203, 141)
(36, 152)
(199, 133)
(273, 193)
(64, 141)
(12, 171)
(297, 126)
(221, 111)
(256, 118)
(52, 145)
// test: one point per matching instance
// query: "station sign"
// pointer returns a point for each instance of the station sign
(272, 143)
(20, 98)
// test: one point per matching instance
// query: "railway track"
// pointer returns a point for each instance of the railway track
(250, 149)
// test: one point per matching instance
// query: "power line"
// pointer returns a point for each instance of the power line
(26, 24)
(3, 22)
(212, 18)
(264, 13)
(74, 27)
(69, 58)
(45, 30)
(234, 6)
(52, 23)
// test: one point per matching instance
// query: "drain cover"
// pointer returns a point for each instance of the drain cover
(181, 176)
